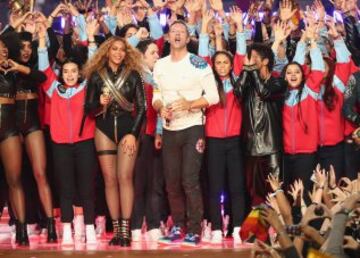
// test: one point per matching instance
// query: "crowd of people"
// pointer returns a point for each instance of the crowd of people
(241, 124)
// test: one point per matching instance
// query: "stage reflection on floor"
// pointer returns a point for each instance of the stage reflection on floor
(38, 243)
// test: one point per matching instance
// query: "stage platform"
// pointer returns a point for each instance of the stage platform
(40, 249)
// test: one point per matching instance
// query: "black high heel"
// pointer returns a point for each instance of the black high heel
(116, 239)
(51, 230)
(125, 233)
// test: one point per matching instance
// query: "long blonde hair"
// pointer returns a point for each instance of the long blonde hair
(132, 59)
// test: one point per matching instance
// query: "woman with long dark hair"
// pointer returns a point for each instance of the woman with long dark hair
(10, 144)
(28, 124)
(300, 118)
(222, 129)
(72, 135)
(116, 95)
(331, 120)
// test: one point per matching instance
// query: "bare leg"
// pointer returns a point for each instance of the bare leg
(35, 147)
(10, 150)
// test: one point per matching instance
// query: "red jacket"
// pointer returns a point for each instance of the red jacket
(332, 122)
(300, 118)
(66, 111)
(225, 121)
(151, 115)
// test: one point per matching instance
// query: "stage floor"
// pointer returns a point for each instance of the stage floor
(40, 249)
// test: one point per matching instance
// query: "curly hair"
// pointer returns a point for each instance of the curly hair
(132, 59)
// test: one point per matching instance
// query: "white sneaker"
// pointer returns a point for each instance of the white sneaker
(33, 229)
(136, 235)
(163, 228)
(216, 237)
(236, 236)
(100, 225)
(67, 238)
(206, 232)
(79, 227)
(90, 234)
(154, 234)
(226, 221)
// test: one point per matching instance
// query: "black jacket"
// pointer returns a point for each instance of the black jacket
(132, 90)
(352, 99)
(262, 112)
(352, 38)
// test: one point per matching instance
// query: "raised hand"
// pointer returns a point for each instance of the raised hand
(193, 6)
(206, 19)
(92, 28)
(274, 181)
(271, 201)
(73, 10)
(340, 195)
(124, 17)
(15, 19)
(61, 8)
(217, 5)
(271, 217)
(142, 33)
(321, 177)
(287, 10)
(281, 31)
(312, 211)
(319, 9)
(332, 177)
(350, 243)
(236, 15)
(296, 190)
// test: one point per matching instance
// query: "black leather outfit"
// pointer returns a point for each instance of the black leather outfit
(116, 122)
(352, 38)
(352, 99)
(261, 128)
(27, 116)
(7, 111)
(262, 112)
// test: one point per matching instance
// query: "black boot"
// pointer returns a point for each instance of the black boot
(116, 236)
(17, 232)
(51, 230)
(125, 233)
(21, 234)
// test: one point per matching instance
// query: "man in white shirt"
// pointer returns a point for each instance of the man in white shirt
(185, 85)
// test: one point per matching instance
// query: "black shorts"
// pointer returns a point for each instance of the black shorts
(123, 125)
(27, 116)
(7, 122)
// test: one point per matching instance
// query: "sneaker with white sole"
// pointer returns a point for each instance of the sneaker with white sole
(100, 225)
(216, 237)
(191, 239)
(33, 229)
(136, 235)
(154, 234)
(176, 235)
(90, 234)
(206, 232)
(79, 227)
(67, 238)
(236, 236)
